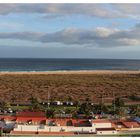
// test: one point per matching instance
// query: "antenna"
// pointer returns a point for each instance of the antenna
(114, 103)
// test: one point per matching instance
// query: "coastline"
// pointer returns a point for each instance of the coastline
(71, 72)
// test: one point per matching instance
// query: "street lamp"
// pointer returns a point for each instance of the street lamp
(48, 98)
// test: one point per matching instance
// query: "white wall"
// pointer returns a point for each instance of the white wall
(106, 132)
(131, 129)
(101, 125)
(26, 128)
(65, 128)
(53, 128)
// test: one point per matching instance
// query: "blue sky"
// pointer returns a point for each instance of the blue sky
(70, 30)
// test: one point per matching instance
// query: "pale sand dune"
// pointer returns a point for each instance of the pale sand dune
(75, 72)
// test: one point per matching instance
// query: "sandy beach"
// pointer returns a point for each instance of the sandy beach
(74, 72)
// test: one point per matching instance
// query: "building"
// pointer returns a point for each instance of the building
(106, 131)
(57, 103)
(101, 123)
(63, 115)
(8, 118)
(131, 124)
(28, 117)
(68, 103)
(29, 122)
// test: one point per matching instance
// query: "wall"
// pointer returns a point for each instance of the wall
(53, 128)
(106, 132)
(131, 129)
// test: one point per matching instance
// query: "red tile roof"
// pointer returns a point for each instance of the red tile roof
(10, 118)
(130, 124)
(61, 122)
(100, 121)
(31, 118)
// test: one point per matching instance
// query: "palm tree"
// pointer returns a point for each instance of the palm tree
(35, 105)
(118, 103)
(104, 108)
(86, 109)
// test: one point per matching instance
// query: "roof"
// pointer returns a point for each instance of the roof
(30, 114)
(31, 118)
(100, 121)
(8, 117)
(64, 122)
(113, 124)
(106, 129)
(130, 124)
(61, 122)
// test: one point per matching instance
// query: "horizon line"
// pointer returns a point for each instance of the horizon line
(68, 58)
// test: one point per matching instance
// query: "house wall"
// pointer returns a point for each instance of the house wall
(26, 128)
(53, 128)
(106, 132)
(131, 129)
(36, 127)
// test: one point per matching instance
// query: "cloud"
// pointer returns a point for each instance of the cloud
(31, 36)
(132, 10)
(99, 37)
(55, 10)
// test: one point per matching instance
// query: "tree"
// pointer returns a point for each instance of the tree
(13, 98)
(35, 105)
(138, 110)
(4, 105)
(1, 131)
(134, 110)
(85, 108)
(77, 104)
(50, 113)
(68, 111)
(69, 99)
(117, 104)
(104, 108)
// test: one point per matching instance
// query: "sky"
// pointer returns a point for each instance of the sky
(70, 30)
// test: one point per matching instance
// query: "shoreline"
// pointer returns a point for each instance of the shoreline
(71, 72)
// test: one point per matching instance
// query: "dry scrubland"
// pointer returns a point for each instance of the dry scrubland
(18, 88)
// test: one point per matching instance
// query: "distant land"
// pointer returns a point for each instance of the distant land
(18, 87)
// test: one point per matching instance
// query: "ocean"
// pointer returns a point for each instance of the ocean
(39, 64)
